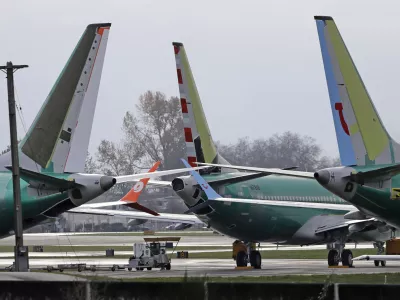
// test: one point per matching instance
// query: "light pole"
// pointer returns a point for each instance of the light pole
(20, 252)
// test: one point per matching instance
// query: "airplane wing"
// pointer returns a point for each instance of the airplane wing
(178, 218)
(135, 177)
(43, 181)
(352, 225)
(349, 224)
(131, 198)
(212, 195)
(268, 171)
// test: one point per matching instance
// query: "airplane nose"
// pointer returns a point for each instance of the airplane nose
(322, 176)
(107, 182)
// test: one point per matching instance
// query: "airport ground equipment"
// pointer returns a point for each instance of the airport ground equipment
(152, 253)
(392, 253)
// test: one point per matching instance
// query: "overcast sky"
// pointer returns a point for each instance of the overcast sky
(257, 64)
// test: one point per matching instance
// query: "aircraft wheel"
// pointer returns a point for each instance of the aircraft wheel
(333, 257)
(149, 268)
(255, 259)
(241, 259)
(168, 267)
(376, 263)
(347, 258)
(129, 269)
(383, 263)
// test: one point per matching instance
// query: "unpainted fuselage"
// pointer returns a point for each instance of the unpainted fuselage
(274, 223)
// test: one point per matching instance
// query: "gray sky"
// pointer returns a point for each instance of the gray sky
(257, 64)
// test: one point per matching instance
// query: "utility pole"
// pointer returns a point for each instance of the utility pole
(20, 252)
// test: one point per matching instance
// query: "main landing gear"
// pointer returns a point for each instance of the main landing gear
(339, 254)
(345, 257)
(245, 253)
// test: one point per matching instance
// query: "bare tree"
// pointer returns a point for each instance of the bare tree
(154, 133)
(90, 164)
(280, 151)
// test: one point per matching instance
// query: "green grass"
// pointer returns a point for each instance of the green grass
(166, 233)
(269, 254)
(389, 278)
(77, 248)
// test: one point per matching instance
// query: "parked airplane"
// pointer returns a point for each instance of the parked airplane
(53, 152)
(263, 207)
(369, 176)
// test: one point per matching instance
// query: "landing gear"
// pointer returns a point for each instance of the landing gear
(255, 259)
(339, 254)
(347, 258)
(381, 250)
(244, 254)
(241, 259)
(333, 258)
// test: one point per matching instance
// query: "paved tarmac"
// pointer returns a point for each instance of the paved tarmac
(213, 267)
(226, 268)
(193, 267)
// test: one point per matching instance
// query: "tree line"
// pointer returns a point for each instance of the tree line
(155, 132)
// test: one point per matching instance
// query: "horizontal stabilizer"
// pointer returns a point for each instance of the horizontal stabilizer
(40, 180)
(375, 175)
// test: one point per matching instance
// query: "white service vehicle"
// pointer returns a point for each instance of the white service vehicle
(152, 254)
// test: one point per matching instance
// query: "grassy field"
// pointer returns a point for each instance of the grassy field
(268, 254)
(166, 233)
(77, 248)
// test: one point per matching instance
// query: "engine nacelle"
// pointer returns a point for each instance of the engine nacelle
(90, 187)
(184, 187)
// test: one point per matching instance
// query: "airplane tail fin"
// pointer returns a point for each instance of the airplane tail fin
(200, 146)
(131, 198)
(58, 138)
(361, 135)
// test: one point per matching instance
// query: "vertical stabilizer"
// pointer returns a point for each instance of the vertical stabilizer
(361, 135)
(58, 139)
(199, 143)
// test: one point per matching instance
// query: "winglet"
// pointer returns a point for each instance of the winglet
(210, 192)
(132, 196)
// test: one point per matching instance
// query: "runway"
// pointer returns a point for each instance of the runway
(220, 268)
(193, 267)
(102, 239)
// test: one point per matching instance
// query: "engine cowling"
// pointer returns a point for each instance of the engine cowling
(90, 187)
(184, 187)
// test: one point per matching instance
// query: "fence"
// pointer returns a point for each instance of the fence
(192, 290)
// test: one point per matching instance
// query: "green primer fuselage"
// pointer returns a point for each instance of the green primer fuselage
(33, 201)
(268, 222)
(379, 197)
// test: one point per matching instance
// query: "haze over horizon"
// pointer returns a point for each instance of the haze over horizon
(257, 64)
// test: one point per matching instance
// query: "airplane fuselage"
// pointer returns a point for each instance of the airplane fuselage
(379, 197)
(274, 222)
(41, 202)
